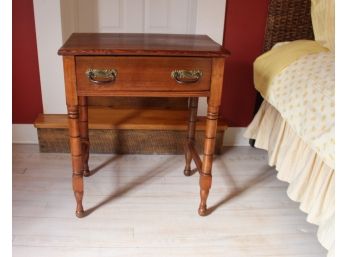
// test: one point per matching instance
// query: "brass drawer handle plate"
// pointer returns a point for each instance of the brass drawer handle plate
(101, 76)
(186, 76)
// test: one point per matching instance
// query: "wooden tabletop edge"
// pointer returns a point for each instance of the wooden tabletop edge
(121, 52)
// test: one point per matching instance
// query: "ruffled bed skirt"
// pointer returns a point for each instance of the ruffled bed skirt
(311, 181)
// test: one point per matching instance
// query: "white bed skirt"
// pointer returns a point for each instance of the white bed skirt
(311, 181)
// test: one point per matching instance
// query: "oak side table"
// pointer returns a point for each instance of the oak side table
(142, 65)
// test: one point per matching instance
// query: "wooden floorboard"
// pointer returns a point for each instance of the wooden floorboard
(143, 205)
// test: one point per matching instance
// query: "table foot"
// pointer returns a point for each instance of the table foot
(187, 172)
(205, 184)
(188, 157)
(86, 173)
(80, 214)
(202, 210)
(79, 208)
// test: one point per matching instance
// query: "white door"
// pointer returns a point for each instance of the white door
(137, 16)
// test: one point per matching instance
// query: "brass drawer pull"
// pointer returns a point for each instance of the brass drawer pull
(186, 76)
(101, 76)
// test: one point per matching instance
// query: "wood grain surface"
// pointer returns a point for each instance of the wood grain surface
(144, 206)
(141, 44)
(141, 74)
(101, 117)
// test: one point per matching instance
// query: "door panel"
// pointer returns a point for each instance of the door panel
(151, 16)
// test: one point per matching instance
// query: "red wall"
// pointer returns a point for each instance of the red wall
(244, 33)
(26, 91)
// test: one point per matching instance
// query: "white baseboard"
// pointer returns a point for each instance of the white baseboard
(24, 134)
(234, 137)
(27, 134)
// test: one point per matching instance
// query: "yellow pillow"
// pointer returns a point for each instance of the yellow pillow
(323, 19)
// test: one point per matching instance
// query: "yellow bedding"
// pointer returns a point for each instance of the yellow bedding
(271, 63)
(298, 80)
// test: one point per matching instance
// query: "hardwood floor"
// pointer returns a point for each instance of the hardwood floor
(143, 205)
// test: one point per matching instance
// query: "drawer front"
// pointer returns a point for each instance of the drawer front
(141, 74)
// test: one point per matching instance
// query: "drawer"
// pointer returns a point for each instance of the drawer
(142, 74)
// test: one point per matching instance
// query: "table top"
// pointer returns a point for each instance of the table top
(142, 44)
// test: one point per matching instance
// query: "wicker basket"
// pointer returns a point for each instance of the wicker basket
(125, 141)
(288, 20)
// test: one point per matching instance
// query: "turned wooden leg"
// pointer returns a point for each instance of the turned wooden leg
(205, 179)
(214, 101)
(76, 155)
(83, 120)
(191, 131)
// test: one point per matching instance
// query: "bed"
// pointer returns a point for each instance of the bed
(296, 120)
